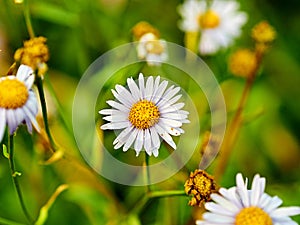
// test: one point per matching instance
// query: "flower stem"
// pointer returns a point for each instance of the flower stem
(235, 125)
(28, 19)
(148, 172)
(14, 174)
(40, 87)
(155, 194)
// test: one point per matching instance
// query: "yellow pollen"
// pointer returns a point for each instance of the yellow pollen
(253, 215)
(144, 114)
(13, 94)
(155, 47)
(243, 63)
(209, 20)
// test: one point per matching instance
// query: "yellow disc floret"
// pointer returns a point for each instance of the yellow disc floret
(144, 114)
(209, 20)
(243, 63)
(155, 47)
(263, 32)
(253, 215)
(13, 93)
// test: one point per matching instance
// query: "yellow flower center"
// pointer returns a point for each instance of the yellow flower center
(209, 20)
(142, 28)
(243, 63)
(253, 215)
(13, 94)
(155, 47)
(143, 114)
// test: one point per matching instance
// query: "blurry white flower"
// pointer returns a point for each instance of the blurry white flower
(152, 49)
(218, 24)
(17, 101)
(240, 206)
(145, 112)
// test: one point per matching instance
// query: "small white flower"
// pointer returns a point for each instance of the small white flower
(17, 101)
(219, 23)
(240, 206)
(152, 49)
(145, 112)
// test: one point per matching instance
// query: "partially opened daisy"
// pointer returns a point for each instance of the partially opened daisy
(218, 23)
(240, 206)
(152, 49)
(18, 103)
(145, 112)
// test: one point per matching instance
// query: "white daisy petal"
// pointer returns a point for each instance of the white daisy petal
(117, 105)
(2, 123)
(115, 125)
(123, 135)
(155, 138)
(130, 140)
(138, 145)
(217, 218)
(24, 72)
(164, 135)
(142, 86)
(149, 88)
(273, 204)
(286, 211)
(116, 118)
(160, 90)
(147, 144)
(127, 101)
(170, 122)
(124, 94)
(133, 89)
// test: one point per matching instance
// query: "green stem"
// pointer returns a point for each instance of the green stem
(39, 83)
(155, 194)
(28, 19)
(14, 174)
(148, 172)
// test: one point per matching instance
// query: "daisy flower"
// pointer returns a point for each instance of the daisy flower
(219, 23)
(145, 112)
(152, 49)
(17, 101)
(240, 206)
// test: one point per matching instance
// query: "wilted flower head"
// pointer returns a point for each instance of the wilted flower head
(17, 101)
(243, 63)
(35, 53)
(200, 185)
(240, 206)
(145, 112)
(218, 23)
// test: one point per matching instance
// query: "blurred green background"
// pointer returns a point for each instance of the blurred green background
(78, 32)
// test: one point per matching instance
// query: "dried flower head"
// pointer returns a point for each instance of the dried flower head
(35, 53)
(200, 185)
(263, 32)
(243, 63)
(142, 28)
